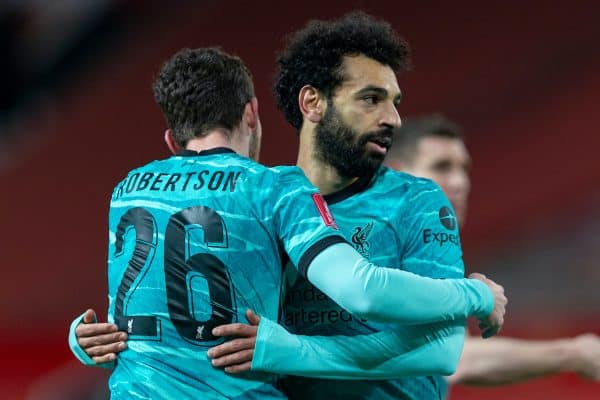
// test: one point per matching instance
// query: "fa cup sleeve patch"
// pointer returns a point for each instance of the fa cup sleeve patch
(324, 210)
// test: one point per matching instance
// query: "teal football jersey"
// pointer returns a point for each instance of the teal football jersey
(395, 220)
(195, 240)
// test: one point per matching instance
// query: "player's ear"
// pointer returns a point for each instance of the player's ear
(251, 114)
(312, 103)
(171, 142)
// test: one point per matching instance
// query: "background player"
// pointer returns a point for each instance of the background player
(433, 147)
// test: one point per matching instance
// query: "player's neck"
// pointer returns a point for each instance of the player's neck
(321, 174)
(213, 139)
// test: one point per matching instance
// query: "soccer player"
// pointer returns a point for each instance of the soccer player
(196, 239)
(433, 147)
(337, 86)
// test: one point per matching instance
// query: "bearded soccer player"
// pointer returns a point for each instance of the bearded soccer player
(337, 86)
(209, 226)
(433, 147)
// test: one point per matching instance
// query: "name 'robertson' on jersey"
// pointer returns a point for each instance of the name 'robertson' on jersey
(162, 181)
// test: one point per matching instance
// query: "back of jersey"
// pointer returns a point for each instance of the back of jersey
(194, 241)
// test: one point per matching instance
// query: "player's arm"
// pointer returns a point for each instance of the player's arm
(362, 288)
(507, 360)
(376, 293)
(94, 343)
(405, 351)
(392, 295)
(409, 350)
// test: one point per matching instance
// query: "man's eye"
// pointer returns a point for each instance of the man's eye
(371, 99)
(442, 167)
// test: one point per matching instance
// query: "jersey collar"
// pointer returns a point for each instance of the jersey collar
(356, 187)
(208, 152)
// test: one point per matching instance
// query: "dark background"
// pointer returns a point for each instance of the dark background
(77, 113)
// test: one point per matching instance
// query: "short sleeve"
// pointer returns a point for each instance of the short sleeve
(301, 218)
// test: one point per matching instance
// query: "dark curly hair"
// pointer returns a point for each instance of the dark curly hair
(202, 89)
(314, 56)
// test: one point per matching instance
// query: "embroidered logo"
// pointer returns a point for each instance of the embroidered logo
(360, 236)
(200, 332)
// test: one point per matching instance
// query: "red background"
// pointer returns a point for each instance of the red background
(520, 77)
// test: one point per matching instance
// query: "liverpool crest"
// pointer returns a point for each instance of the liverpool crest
(360, 238)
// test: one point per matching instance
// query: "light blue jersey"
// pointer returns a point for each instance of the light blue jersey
(195, 240)
(393, 219)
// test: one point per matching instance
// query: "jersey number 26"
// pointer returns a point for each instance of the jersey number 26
(176, 269)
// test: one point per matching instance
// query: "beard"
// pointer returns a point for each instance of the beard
(345, 149)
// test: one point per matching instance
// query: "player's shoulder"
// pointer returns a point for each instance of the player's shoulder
(420, 195)
(264, 176)
(152, 165)
(288, 172)
(139, 170)
(412, 194)
(132, 176)
(405, 182)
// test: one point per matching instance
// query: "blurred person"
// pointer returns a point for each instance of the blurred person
(211, 196)
(433, 147)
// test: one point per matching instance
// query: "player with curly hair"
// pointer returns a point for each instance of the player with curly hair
(337, 85)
